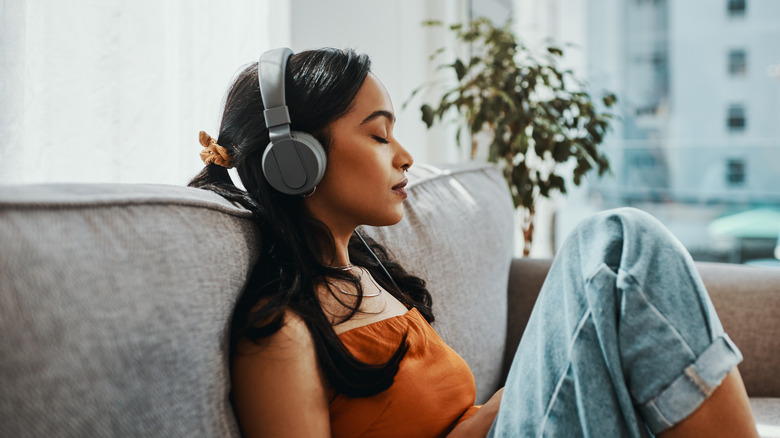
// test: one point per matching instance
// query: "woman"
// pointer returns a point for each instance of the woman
(324, 342)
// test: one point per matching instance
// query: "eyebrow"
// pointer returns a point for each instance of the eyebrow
(379, 113)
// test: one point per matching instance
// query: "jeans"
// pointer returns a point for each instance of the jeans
(623, 340)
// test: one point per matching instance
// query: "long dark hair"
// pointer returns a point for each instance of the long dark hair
(320, 86)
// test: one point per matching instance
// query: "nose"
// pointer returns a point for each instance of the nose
(404, 159)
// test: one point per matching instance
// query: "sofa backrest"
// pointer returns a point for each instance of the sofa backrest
(115, 300)
(114, 309)
(457, 234)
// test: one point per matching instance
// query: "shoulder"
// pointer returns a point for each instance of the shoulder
(293, 336)
(274, 379)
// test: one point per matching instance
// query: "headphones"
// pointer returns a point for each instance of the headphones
(294, 161)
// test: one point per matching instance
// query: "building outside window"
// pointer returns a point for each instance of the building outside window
(736, 7)
(735, 172)
(683, 152)
(735, 121)
(737, 62)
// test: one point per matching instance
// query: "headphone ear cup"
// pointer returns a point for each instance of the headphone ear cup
(320, 158)
(294, 165)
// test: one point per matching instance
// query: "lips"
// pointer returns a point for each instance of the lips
(400, 188)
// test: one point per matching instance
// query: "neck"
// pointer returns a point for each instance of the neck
(341, 229)
(341, 249)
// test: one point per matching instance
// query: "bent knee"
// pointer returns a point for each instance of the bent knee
(621, 235)
(627, 222)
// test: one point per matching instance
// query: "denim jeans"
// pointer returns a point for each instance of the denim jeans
(623, 340)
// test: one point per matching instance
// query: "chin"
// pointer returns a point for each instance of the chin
(387, 220)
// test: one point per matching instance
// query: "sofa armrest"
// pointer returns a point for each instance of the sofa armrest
(746, 298)
(526, 277)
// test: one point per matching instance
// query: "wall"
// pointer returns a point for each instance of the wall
(390, 32)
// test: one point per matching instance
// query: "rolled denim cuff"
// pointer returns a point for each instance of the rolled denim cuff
(697, 382)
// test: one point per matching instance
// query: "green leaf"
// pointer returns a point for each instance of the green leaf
(436, 53)
(558, 183)
(427, 114)
(528, 199)
(460, 68)
(544, 189)
(609, 100)
(555, 51)
(561, 151)
(479, 119)
(583, 165)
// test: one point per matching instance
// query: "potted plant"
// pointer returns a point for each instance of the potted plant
(541, 123)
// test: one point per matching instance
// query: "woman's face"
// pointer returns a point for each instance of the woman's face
(364, 181)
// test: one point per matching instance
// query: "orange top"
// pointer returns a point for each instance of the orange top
(432, 392)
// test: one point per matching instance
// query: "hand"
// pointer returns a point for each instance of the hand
(479, 424)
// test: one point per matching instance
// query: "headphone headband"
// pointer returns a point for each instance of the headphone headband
(271, 72)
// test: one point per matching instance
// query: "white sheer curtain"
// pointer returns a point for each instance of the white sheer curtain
(116, 91)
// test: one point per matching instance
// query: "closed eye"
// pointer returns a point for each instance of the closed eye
(380, 139)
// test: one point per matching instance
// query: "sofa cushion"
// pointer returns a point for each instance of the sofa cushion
(114, 309)
(766, 410)
(457, 235)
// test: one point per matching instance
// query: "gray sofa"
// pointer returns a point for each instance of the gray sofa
(115, 300)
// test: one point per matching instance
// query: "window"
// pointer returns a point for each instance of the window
(737, 62)
(736, 118)
(736, 7)
(101, 98)
(735, 172)
(687, 154)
